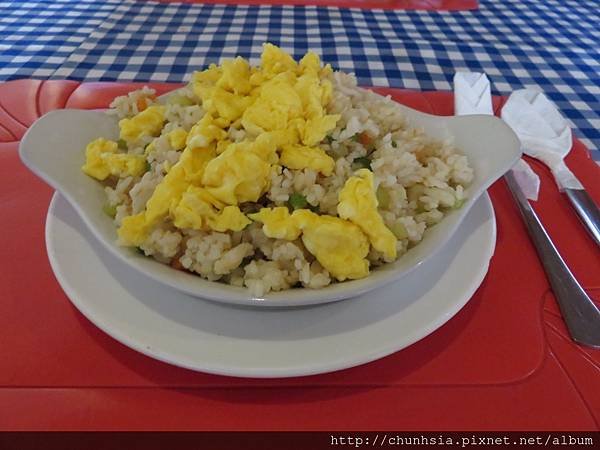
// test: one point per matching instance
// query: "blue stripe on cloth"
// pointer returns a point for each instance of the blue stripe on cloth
(38, 36)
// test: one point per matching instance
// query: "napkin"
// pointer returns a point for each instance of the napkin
(472, 95)
(544, 133)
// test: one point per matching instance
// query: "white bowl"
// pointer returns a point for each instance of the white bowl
(53, 148)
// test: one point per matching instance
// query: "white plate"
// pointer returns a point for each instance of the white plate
(53, 149)
(238, 341)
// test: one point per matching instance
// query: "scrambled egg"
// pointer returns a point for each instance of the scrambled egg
(231, 218)
(358, 203)
(237, 175)
(206, 131)
(147, 123)
(277, 223)
(167, 195)
(199, 210)
(339, 245)
(102, 160)
(281, 105)
(300, 157)
(177, 138)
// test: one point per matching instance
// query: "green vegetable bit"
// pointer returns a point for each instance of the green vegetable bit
(458, 203)
(361, 163)
(399, 230)
(355, 137)
(122, 144)
(148, 166)
(394, 144)
(297, 201)
(383, 197)
(110, 210)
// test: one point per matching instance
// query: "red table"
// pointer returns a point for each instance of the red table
(504, 362)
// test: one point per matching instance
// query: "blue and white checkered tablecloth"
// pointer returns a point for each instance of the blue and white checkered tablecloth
(36, 37)
(553, 45)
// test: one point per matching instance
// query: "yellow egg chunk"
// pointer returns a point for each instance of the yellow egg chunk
(274, 61)
(193, 161)
(300, 157)
(166, 195)
(310, 93)
(236, 76)
(124, 165)
(205, 132)
(102, 160)
(316, 129)
(227, 105)
(177, 138)
(195, 208)
(230, 219)
(276, 105)
(222, 146)
(237, 175)
(310, 63)
(277, 223)
(95, 166)
(358, 203)
(147, 123)
(339, 245)
(149, 148)
(133, 230)
(266, 145)
(204, 81)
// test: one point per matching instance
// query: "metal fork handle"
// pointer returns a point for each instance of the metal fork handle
(581, 315)
(587, 210)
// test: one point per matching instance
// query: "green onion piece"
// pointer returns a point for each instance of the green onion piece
(383, 197)
(122, 144)
(459, 203)
(399, 230)
(361, 163)
(110, 210)
(297, 201)
(148, 166)
(394, 144)
(181, 100)
(355, 137)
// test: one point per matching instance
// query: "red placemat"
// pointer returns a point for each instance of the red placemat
(504, 362)
(431, 5)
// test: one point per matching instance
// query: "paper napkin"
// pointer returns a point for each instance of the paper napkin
(544, 133)
(472, 95)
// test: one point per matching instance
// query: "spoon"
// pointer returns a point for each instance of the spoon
(545, 135)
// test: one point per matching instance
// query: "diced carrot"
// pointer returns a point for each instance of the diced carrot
(142, 104)
(364, 138)
(176, 264)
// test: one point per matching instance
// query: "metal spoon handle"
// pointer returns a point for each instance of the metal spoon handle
(581, 315)
(587, 210)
